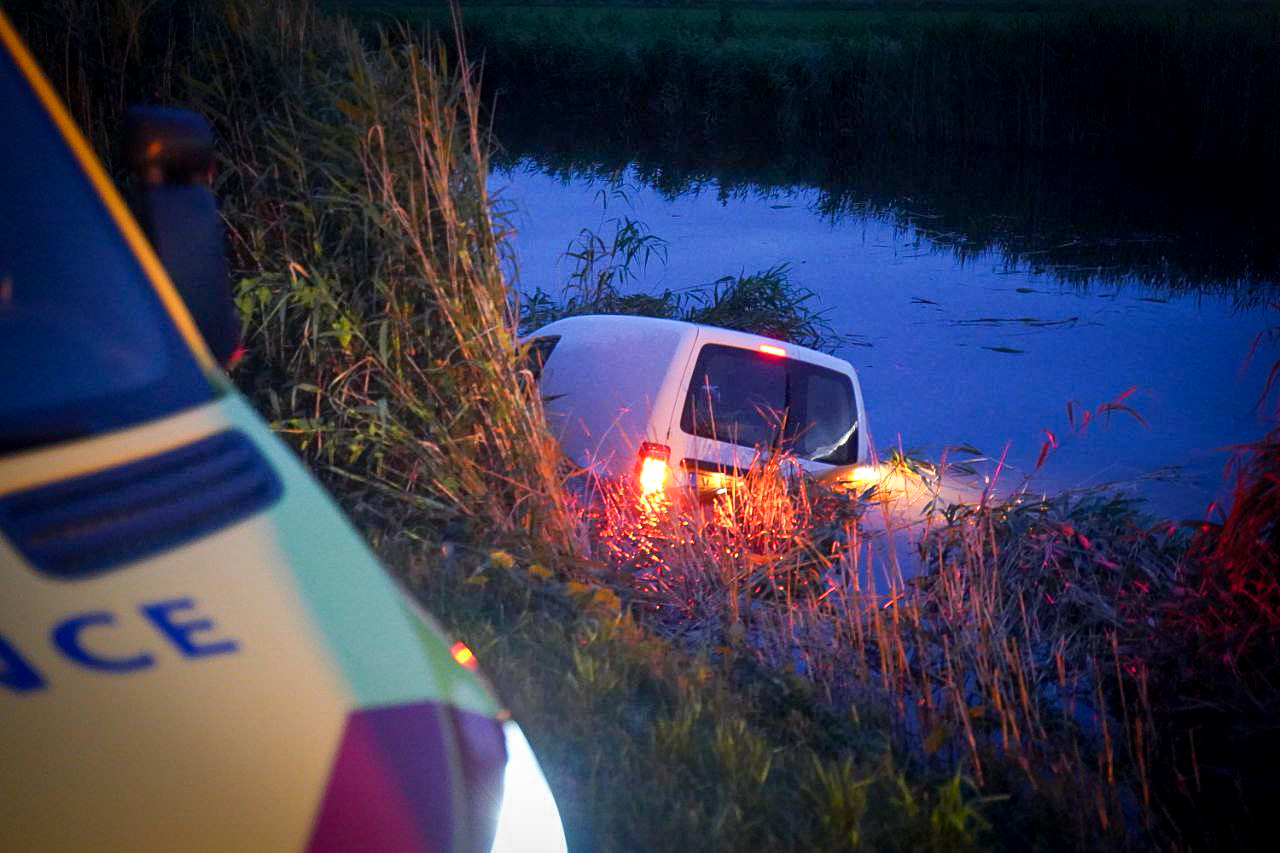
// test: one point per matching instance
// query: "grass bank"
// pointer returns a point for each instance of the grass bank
(1062, 676)
(1182, 82)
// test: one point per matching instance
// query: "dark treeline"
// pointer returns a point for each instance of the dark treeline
(1089, 221)
(1175, 83)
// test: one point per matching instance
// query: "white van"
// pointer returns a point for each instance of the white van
(687, 405)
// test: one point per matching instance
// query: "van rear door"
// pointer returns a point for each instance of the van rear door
(740, 403)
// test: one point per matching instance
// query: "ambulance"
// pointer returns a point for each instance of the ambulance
(197, 650)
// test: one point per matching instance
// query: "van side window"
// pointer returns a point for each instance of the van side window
(536, 353)
(752, 399)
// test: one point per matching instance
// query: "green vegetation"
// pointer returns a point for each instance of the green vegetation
(766, 302)
(1061, 676)
(352, 182)
(645, 743)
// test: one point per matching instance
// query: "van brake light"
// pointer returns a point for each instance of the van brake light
(651, 467)
(769, 349)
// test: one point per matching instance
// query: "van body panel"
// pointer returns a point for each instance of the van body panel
(303, 535)
(130, 741)
(675, 402)
(606, 380)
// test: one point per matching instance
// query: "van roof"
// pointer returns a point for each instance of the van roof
(588, 323)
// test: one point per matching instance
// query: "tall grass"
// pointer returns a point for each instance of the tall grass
(1057, 651)
(650, 745)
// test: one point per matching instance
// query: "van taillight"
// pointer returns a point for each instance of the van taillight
(651, 467)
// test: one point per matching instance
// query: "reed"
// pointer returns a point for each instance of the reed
(1039, 647)
(645, 739)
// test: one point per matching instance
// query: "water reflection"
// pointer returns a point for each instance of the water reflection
(1171, 228)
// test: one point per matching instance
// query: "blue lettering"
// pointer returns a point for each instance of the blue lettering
(17, 675)
(67, 638)
(180, 633)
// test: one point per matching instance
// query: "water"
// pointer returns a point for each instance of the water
(981, 342)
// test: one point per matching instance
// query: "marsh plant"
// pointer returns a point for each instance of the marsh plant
(608, 276)
(1042, 645)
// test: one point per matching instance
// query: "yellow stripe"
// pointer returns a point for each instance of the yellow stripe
(115, 205)
(30, 469)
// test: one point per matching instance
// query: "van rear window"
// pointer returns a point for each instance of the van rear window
(753, 399)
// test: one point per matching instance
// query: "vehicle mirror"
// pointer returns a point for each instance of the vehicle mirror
(170, 157)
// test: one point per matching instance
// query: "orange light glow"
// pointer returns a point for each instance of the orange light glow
(463, 655)
(653, 474)
(716, 481)
(651, 468)
(769, 349)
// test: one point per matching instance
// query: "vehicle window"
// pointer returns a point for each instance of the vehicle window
(823, 416)
(537, 352)
(753, 399)
(736, 395)
(85, 344)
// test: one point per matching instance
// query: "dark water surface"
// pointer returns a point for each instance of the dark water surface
(984, 295)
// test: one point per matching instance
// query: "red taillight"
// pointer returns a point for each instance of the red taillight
(651, 467)
(769, 349)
